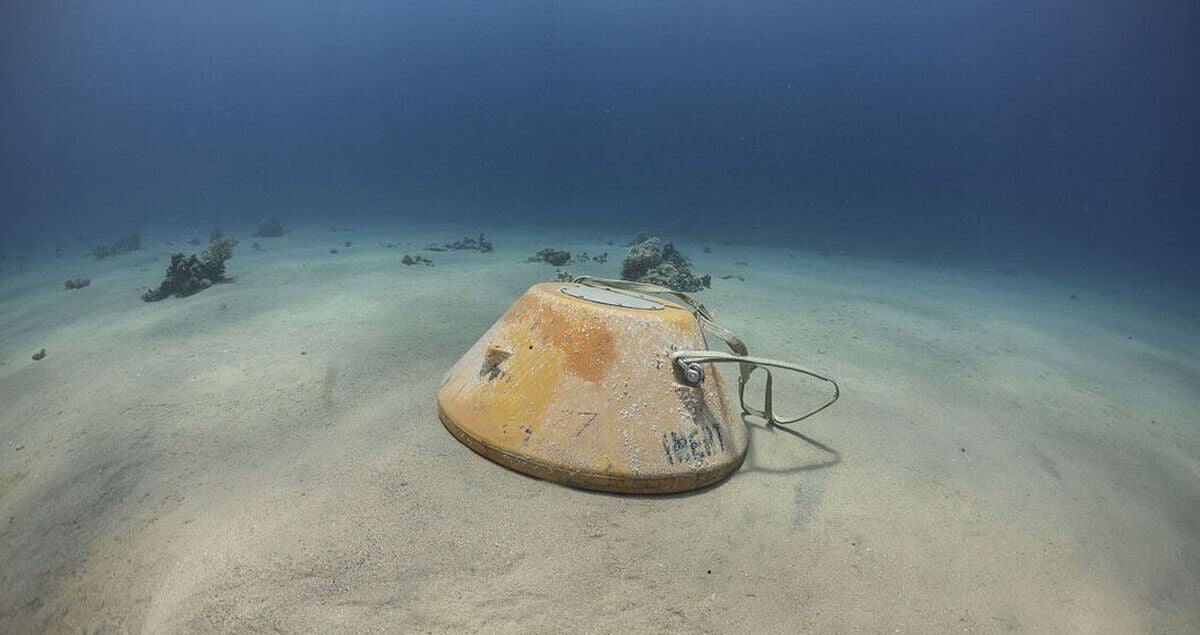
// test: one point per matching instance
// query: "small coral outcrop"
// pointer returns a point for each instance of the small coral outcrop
(269, 228)
(190, 274)
(556, 257)
(408, 260)
(125, 244)
(667, 267)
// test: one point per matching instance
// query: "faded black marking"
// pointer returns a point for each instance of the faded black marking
(681, 447)
(591, 416)
(707, 436)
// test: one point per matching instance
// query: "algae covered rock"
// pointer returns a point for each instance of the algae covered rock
(667, 267)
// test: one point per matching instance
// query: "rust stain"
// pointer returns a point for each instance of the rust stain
(585, 342)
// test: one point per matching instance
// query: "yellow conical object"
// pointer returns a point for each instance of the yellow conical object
(575, 384)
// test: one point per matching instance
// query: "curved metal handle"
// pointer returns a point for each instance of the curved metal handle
(686, 359)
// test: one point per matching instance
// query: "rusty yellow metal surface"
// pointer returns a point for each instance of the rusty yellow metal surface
(584, 393)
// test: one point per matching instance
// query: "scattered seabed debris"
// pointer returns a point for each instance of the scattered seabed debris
(480, 244)
(559, 257)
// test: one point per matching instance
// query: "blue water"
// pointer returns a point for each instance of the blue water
(1024, 134)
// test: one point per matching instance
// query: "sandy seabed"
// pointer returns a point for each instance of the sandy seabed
(266, 455)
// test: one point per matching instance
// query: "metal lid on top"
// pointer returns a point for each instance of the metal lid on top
(612, 298)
